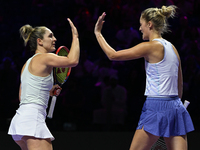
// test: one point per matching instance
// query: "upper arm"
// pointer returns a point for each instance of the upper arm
(180, 76)
(20, 83)
(54, 60)
(138, 51)
(176, 52)
(20, 92)
(180, 81)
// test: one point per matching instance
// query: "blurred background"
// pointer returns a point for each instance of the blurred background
(100, 95)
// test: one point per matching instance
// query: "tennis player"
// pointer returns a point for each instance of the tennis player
(163, 113)
(28, 127)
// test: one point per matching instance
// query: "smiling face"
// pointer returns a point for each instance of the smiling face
(48, 41)
(144, 28)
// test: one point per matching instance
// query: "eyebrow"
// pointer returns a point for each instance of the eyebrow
(51, 34)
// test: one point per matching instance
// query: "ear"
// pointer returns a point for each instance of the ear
(40, 41)
(150, 25)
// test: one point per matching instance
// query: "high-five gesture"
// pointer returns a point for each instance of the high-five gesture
(75, 47)
(73, 28)
(99, 24)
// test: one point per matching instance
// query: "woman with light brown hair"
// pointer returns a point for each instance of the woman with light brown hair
(163, 113)
(28, 127)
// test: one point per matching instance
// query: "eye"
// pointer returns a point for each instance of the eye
(51, 35)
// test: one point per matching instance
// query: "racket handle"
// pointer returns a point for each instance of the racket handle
(51, 109)
(186, 103)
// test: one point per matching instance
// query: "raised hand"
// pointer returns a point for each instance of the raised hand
(99, 23)
(73, 28)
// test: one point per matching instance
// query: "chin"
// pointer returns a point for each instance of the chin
(52, 50)
(144, 38)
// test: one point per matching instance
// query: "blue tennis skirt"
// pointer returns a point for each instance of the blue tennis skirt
(165, 117)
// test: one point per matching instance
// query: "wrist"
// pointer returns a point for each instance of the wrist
(98, 34)
(75, 36)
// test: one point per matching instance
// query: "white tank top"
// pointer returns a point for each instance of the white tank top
(162, 77)
(35, 89)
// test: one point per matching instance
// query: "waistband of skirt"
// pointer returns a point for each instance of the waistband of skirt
(33, 105)
(162, 98)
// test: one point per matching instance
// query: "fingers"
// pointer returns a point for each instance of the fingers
(57, 92)
(101, 18)
(70, 22)
(99, 24)
(56, 86)
(73, 28)
(56, 89)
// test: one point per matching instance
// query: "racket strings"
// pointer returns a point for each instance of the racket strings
(62, 73)
(62, 52)
(61, 76)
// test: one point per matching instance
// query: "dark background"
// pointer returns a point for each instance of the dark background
(81, 95)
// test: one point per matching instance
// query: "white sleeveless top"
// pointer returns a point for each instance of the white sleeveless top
(35, 89)
(162, 77)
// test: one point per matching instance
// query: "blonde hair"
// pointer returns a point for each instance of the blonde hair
(30, 35)
(159, 16)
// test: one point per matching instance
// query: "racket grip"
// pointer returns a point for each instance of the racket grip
(186, 103)
(51, 109)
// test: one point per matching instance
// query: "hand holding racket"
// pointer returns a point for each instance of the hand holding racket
(60, 77)
(56, 89)
(186, 103)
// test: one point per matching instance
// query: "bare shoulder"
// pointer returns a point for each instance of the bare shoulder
(23, 68)
(152, 47)
(156, 44)
(144, 46)
(43, 58)
(45, 55)
(155, 52)
(39, 65)
(176, 52)
(50, 60)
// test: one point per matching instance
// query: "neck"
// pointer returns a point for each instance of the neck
(40, 51)
(154, 36)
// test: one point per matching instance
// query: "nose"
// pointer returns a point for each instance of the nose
(55, 39)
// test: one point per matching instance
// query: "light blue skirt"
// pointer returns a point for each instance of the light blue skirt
(165, 117)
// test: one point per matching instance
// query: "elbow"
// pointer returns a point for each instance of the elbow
(75, 63)
(112, 57)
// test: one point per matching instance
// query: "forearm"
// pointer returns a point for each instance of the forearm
(20, 92)
(108, 50)
(180, 88)
(75, 50)
(180, 83)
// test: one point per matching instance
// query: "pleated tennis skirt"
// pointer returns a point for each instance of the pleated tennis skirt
(29, 120)
(165, 117)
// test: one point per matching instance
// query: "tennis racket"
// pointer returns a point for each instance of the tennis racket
(160, 144)
(60, 77)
